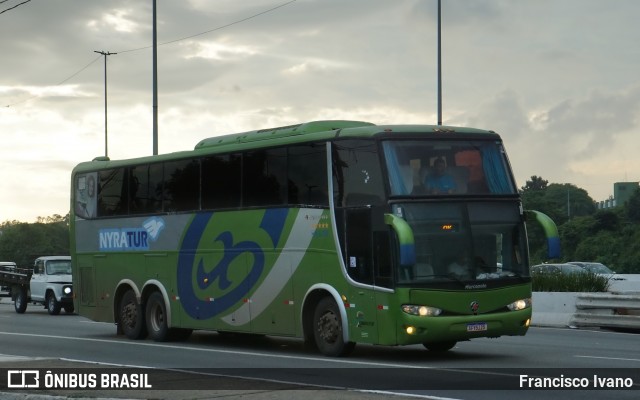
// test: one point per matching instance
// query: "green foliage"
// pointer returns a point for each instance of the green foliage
(22, 242)
(536, 183)
(610, 236)
(632, 207)
(559, 201)
(585, 282)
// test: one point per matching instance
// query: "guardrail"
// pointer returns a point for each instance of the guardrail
(610, 310)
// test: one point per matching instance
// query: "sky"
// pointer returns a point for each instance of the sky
(557, 79)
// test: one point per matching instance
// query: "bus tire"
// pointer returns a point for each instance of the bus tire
(53, 306)
(156, 314)
(131, 316)
(157, 324)
(440, 347)
(20, 302)
(327, 329)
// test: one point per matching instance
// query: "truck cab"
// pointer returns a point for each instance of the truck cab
(51, 284)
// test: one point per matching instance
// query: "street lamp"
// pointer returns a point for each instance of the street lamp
(439, 66)
(105, 54)
(155, 82)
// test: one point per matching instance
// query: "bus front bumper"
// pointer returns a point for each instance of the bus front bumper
(416, 329)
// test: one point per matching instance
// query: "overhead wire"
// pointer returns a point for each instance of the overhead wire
(212, 30)
(11, 8)
(59, 83)
(161, 44)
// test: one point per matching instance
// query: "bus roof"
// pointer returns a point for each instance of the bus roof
(326, 130)
(305, 132)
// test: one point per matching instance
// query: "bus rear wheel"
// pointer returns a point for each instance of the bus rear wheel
(440, 347)
(157, 324)
(327, 329)
(156, 314)
(131, 316)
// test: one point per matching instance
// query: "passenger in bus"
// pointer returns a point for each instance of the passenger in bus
(439, 182)
(459, 267)
(423, 270)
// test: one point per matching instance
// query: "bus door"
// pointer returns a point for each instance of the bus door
(359, 261)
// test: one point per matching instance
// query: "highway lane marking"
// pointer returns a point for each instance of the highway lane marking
(384, 392)
(255, 354)
(246, 353)
(611, 358)
(429, 397)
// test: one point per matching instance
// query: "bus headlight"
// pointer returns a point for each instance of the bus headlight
(423, 311)
(520, 304)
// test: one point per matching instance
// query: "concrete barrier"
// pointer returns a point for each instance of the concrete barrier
(553, 308)
(611, 310)
(571, 309)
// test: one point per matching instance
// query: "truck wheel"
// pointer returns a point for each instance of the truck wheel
(131, 316)
(20, 303)
(327, 329)
(68, 308)
(53, 306)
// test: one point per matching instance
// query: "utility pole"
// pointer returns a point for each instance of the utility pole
(155, 83)
(105, 54)
(439, 66)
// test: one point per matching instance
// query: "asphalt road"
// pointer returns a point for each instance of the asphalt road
(211, 365)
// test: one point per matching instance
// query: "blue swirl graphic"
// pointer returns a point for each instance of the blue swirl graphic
(272, 223)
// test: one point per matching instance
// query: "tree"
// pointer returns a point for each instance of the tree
(22, 242)
(632, 207)
(535, 184)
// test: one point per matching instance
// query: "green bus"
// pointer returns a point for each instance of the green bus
(332, 231)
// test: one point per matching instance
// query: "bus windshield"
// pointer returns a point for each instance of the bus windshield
(455, 167)
(464, 242)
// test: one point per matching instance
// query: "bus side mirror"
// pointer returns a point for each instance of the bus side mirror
(407, 243)
(550, 231)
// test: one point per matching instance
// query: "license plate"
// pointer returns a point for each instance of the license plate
(477, 327)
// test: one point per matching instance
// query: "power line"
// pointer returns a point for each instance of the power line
(57, 84)
(213, 29)
(161, 44)
(11, 8)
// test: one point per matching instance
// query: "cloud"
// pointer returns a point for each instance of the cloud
(558, 80)
(116, 19)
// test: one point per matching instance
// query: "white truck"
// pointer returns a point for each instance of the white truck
(48, 283)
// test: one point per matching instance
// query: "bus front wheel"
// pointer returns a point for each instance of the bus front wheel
(131, 316)
(327, 329)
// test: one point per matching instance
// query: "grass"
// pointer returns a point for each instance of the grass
(585, 282)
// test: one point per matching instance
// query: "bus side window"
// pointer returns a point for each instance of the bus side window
(110, 193)
(357, 176)
(221, 181)
(181, 185)
(307, 174)
(264, 178)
